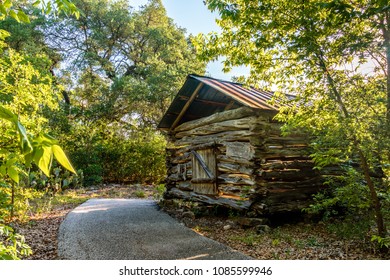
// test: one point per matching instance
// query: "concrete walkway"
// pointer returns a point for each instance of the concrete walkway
(132, 229)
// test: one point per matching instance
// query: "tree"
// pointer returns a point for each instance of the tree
(24, 93)
(318, 50)
(137, 59)
(121, 68)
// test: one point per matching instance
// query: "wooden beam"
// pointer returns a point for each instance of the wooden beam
(218, 117)
(230, 105)
(203, 164)
(186, 106)
(203, 180)
(211, 102)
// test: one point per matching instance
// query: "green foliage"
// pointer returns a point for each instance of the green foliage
(140, 194)
(137, 157)
(5, 195)
(351, 227)
(160, 192)
(7, 8)
(347, 195)
(382, 242)
(130, 63)
(319, 52)
(119, 83)
(25, 92)
(39, 149)
(13, 245)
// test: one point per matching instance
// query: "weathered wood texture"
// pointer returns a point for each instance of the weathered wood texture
(220, 201)
(204, 172)
(254, 167)
(218, 117)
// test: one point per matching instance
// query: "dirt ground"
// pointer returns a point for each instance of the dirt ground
(287, 242)
(296, 241)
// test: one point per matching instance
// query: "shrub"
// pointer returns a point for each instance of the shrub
(135, 156)
(12, 245)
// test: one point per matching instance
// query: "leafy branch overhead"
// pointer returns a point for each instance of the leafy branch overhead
(8, 8)
(40, 149)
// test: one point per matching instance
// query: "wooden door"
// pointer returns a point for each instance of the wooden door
(204, 171)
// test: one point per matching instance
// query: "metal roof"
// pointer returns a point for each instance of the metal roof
(203, 96)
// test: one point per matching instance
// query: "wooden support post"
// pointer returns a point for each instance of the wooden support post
(186, 106)
(229, 106)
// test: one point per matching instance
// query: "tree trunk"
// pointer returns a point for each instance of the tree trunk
(12, 200)
(374, 197)
(363, 160)
(386, 39)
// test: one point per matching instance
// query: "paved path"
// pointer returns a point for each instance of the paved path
(132, 229)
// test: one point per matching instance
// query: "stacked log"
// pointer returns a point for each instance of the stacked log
(258, 169)
(229, 134)
(285, 171)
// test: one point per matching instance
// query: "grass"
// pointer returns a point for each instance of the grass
(43, 203)
(279, 235)
(200, 229)
(160, 190)
(46, 203)
(140, 194)
(312, 242)
(69, 197)
(298, 243)
(249, 239)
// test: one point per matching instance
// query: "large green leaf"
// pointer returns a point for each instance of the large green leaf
(3, 10)
(10, 162)
(42, 158)
(60, 156)
(14, 15)
(23, 17)
(8, 115)
(45, 140)
(25, 142)
(28, 158)
(3, 170)
(13, 174)
(7, 4)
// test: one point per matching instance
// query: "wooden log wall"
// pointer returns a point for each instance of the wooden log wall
(258, 170)
(285, 174)
(229, 134)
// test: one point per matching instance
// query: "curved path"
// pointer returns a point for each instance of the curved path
(132, 229)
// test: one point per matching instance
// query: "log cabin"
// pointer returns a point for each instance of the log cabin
(225, 149)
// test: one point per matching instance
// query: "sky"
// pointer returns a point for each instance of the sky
(196, 18)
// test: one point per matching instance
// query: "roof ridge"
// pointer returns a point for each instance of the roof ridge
(229, 82)
(215, 79)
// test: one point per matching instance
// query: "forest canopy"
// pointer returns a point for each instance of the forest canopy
(113, 71)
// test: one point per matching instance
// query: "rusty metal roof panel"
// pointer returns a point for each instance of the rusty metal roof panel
(194, 102)
(247, 96)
